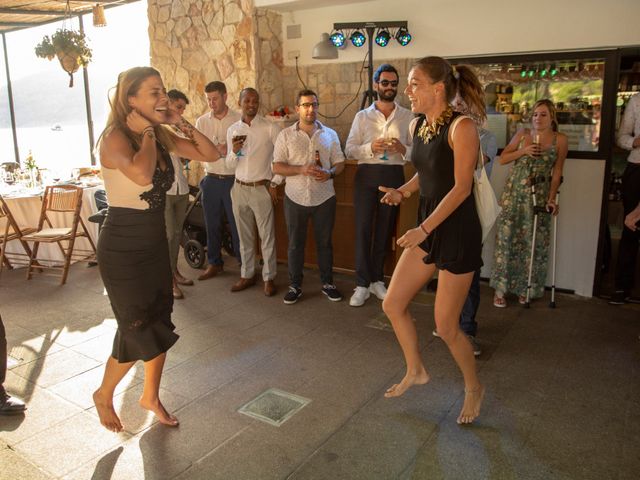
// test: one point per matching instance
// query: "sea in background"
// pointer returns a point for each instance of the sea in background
(58, 148)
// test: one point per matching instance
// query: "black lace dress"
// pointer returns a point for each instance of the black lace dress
(133, 256)
(456, 244)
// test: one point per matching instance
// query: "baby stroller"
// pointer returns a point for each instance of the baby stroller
(194, 232)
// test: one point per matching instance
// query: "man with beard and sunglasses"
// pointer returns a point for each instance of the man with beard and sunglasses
(380, 141)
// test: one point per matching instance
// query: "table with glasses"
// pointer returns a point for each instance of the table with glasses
(26, 203)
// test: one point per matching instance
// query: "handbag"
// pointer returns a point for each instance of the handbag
(486, 202)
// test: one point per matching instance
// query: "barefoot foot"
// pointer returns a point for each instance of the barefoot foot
(471, 407)
(158, 409)
(409, 380)
(108, 416)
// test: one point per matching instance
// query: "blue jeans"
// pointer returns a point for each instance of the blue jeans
(322, 217)
(216, 200)
(468, 322)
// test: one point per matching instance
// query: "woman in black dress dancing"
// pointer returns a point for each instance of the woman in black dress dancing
(448, 236)
(132, 248)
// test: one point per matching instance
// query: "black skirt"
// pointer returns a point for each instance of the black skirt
(133, 257)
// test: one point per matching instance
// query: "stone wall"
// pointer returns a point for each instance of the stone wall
(194, 42)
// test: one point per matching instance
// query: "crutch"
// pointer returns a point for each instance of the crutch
(533, 181)
(552, 303)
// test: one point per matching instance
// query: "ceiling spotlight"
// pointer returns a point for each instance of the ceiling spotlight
(383, 38)
(553, 71)
(543, 72)
(337, 38)
(523, 72)
(403, 37)
(357, 38)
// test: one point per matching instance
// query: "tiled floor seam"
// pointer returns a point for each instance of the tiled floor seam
(27, 460)
(208, 454)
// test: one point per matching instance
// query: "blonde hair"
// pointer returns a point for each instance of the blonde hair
(552, 111)
(460, 80)
(128, 85)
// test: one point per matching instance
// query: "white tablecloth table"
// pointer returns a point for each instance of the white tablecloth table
(26, 211)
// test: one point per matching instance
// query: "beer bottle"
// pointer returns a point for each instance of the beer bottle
(318, 162)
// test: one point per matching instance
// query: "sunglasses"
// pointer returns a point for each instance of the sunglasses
(386, 83)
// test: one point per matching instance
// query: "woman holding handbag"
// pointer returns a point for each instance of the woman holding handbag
(448, 236)
(537, 154)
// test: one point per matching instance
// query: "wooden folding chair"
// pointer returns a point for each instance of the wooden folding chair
(10, 231)
(64, 199)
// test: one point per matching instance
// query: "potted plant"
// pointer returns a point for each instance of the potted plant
(69, 46)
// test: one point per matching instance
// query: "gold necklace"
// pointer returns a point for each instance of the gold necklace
(428, 132)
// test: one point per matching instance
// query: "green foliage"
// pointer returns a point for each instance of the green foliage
(70, 42)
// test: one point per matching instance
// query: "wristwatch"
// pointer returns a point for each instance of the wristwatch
(273, 185)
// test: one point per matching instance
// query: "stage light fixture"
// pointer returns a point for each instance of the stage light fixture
(403, 37)
(357, 38)
(383, 38)
(553, 71)
(543, 72)
(324, 49)
(523, 72)
(338, 39)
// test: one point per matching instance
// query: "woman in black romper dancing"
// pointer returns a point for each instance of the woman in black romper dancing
(133, 254)
(448, 236)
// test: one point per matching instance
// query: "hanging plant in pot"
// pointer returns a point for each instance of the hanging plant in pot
(69, 46)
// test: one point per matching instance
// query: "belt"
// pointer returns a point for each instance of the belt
(259, 183)
(216, 175)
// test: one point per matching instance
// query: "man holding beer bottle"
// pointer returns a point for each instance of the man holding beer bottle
(308, 153)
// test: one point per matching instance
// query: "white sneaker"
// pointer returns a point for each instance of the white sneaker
(378, 289)
(359, 296)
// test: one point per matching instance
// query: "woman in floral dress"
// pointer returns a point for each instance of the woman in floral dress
(537, 154)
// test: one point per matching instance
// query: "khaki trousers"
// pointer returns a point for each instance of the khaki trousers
(252, 208)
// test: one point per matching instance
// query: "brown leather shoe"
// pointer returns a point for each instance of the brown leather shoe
(269, 288)
(177, 293)
(180, 280)
(211, 271)
(243, 283)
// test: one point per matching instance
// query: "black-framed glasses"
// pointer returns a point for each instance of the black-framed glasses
(386, 83)
(309, 105)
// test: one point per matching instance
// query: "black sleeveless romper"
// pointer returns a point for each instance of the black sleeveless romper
(456, 244)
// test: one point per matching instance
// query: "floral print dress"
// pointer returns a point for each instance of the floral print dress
(515, 227)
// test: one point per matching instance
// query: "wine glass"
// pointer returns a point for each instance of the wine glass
(239, 135)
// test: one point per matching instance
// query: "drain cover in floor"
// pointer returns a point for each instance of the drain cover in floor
(274, 406)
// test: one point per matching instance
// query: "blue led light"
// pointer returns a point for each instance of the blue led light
(357, 38)
(337, 38)
(403, 37)
(383, 38)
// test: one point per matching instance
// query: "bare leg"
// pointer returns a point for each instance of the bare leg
(409, 276)
(450, 297)
(103, 397)
(150, 399)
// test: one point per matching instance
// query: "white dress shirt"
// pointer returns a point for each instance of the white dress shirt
(257, 152)
(180, 185)
(630, 128)
(370, 124)
(215, 129)
(295, 147)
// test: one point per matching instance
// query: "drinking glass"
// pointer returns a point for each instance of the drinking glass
(238, 135)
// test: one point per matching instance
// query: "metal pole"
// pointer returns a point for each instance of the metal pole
(87, 101)
(10, 93)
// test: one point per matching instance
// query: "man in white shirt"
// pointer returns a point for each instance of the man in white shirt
(629, 139)
(309, 154)
(177, 202)
(379, 139)
(254, 191)
(216, 184)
